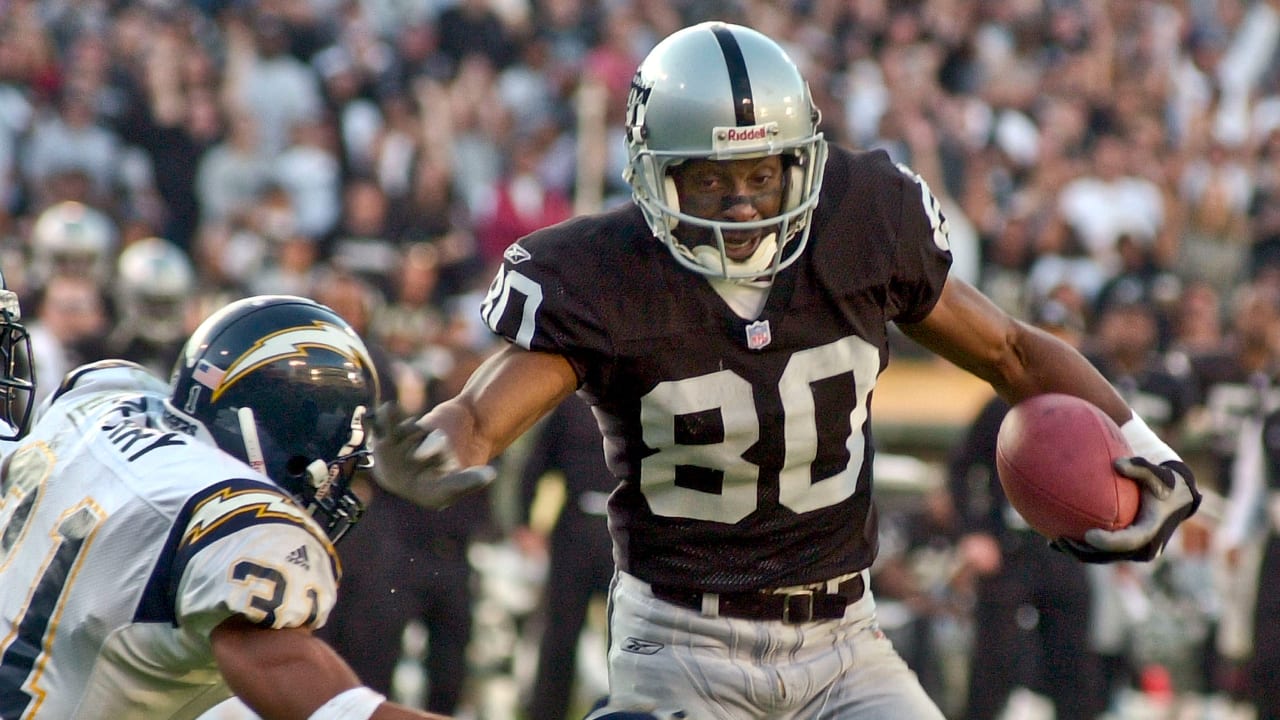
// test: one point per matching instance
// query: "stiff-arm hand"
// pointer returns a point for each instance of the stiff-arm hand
(418, 463)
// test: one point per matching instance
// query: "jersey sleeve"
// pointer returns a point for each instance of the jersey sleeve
(542, 298)
(922, 250)
(247, 549)
(103, 376)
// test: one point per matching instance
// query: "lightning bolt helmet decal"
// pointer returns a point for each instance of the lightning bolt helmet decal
(293, 342)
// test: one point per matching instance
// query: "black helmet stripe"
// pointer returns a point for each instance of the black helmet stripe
(743, 106)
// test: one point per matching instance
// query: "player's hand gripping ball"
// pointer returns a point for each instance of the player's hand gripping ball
(1056, 455)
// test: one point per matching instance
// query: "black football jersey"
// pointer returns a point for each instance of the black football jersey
(742, 447)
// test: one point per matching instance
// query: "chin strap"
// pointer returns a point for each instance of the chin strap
(252, 446)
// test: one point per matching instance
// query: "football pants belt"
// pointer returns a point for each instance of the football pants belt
(791, 607)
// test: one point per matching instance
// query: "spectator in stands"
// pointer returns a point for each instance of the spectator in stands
(308, 169)
(286, 258)
(1109, 201)
(1140, 279)
(266, 81)
(521, 201)
(473, 27)
(1125, 346)
(72, 139)
(67, 330)
(1196, 328)
(1061, 260)
(232, 172)
(364, 241)
(171, 113)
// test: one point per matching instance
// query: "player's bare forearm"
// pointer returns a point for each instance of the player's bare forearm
(503, 398)
(288, 674)
(1017, 359)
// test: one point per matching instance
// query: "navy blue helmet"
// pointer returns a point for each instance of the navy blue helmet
(284, 384)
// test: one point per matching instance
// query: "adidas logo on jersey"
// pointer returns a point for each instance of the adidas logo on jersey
(299, 557)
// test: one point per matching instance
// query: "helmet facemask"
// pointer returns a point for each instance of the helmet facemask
(323, 488)
(17, 376)
(746, 100)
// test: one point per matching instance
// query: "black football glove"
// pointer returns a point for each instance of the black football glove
(418, 463)
(1169, 496)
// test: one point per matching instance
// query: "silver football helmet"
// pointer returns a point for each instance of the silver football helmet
(154, 280)
(71, 238)
(718, 91)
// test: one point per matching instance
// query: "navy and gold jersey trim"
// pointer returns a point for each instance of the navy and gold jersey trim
(210, 515)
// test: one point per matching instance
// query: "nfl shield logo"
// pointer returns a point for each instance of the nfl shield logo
(758, 334)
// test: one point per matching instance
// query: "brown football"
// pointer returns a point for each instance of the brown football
(1055, 455)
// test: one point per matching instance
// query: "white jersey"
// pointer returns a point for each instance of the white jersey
(123, 544)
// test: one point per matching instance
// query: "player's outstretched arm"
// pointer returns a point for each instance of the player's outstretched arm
(1021, 361)
(291, 674)
(435, 459)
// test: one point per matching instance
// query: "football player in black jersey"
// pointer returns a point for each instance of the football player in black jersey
(1257, 487)
(728, 329)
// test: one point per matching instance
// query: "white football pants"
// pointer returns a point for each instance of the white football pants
(717, 668)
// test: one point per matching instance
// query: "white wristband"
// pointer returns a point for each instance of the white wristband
(358, 703)
(1144, 442)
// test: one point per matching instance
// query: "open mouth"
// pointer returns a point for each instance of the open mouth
(740, 246)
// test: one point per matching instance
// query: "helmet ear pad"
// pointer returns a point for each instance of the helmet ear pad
(672, 197)
(793, 193)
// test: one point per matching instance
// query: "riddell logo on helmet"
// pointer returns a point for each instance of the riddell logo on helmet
(745, 138)
(741, 134)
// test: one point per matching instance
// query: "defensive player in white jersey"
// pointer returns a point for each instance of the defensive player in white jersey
(164, 545)
(728, 329)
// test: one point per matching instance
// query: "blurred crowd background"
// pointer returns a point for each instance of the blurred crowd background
(1110, 170)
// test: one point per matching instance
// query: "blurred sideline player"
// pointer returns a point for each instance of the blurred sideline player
(165, 545)
(1251, 541)
(153, 284)
(728, 329)
(580, 562)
